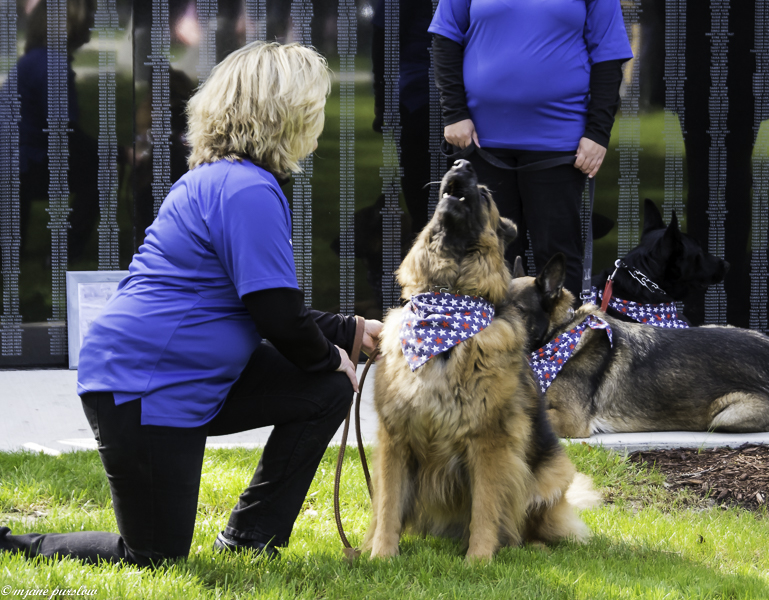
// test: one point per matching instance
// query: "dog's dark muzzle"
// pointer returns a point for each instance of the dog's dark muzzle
(463, 165)
(460, 181)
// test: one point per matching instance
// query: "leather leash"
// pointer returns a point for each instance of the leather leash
(349, 551)
(609, 288)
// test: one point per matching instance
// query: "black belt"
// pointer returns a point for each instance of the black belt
(587, 260)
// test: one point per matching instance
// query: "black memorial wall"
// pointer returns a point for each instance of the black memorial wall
(92, 136)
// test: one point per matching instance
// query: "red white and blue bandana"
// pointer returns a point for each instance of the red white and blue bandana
(435, 322)
(548, 361)
(662, 314)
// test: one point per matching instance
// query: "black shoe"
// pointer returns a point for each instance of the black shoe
(225, 543)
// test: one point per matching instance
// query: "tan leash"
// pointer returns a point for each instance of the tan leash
(349, 551)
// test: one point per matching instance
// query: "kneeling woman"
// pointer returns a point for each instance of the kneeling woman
(178, 353)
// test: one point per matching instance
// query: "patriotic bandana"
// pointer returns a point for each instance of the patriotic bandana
(663, 314)
(549, 360)
(435, 322)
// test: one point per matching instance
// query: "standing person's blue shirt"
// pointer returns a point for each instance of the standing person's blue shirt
(176, 334)
(527, 65)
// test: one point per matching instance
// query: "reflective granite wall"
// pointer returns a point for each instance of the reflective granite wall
(92, 98)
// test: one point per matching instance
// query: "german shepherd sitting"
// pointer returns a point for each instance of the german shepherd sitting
(623, 377)
(464, 447)
(666, 267)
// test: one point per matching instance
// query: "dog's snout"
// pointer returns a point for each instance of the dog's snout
(461, 164)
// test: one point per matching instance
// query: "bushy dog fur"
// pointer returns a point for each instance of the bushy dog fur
(650, 379)
(464, 448)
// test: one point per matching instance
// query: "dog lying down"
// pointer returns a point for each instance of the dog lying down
(464, 447)
(604, 375)
(667, 266)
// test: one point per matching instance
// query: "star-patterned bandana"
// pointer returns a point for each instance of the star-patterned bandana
(663, 314)
(435, 322)
(549, 360)
(592, 298)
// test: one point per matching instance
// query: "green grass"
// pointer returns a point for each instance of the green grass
(648, 542)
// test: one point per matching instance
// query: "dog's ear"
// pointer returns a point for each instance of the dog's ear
(518, 270)
(652, 217)
(550, 281)
(506, 230)
(670, 243)
(674, 222)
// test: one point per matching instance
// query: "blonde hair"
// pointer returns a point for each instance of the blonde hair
(264, 102)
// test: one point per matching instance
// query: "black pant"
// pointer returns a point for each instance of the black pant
(154, 472)
(415, 162)
(545, 203)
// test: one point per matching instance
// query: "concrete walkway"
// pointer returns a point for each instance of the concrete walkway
(41, 412)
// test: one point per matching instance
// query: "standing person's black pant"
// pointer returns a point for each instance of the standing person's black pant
(545, 203)
(154, 472)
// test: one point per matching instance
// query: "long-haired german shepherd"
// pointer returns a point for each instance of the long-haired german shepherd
(631, 377)
(464, 447)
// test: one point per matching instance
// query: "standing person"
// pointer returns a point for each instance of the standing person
(528, 81)
(176, 354)
(414, 100)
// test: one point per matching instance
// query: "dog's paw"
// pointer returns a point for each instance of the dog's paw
(384, 552)
(481, 550)
(384, 549)
(538, 545)
(482, 545)
(481, 558)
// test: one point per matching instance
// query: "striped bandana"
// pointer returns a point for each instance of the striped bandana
(435, 322)
(663, 314)
(549, 360)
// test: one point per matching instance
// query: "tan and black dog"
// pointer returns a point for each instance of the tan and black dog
(464, 447)
(641, 378)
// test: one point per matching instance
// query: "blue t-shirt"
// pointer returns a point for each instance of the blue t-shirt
(527, 65)
(176, 333)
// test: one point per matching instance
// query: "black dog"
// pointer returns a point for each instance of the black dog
(667, 266)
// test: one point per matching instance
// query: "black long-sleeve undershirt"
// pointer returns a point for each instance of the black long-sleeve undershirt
(605, 80)
(305, 337)
(448, 66)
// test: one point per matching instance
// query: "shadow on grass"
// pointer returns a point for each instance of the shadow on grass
(432, 568)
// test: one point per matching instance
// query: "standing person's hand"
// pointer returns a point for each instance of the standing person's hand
(461, 134)
(346, 366)
(371, 336)
(590, 156)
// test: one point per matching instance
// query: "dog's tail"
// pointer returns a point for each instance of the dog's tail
(581, 493)
(562, 521)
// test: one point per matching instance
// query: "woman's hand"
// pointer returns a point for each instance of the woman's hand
(371, 336)
(590, 156)
(346, 366)
(461, 133)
